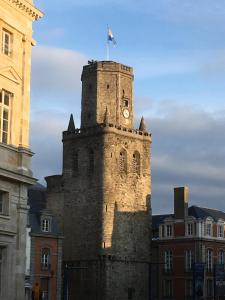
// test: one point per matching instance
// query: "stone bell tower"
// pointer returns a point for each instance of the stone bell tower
(105, 188)
(107, 85)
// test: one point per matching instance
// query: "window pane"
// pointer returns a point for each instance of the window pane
(6, 98)
(209, 287)
(5, 114)
(1, 267)
(5, 125)
(45, 225)
(1, 205)
(4, 137)
(6, 42)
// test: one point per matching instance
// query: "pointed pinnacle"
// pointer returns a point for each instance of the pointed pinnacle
(71, 126)
(142, 126)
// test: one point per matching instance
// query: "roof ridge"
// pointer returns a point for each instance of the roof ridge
(207, 208)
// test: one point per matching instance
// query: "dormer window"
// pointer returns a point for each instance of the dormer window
(190, 229)
(45, 225)
(208, 229)
(169, 230)
(220, 230)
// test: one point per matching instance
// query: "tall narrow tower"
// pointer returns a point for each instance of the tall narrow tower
(106, 189)
(16, 18)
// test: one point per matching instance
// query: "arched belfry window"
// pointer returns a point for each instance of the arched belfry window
(123, 161)
(91, 160)
(136, 163)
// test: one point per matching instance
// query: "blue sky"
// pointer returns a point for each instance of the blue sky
(177, 49)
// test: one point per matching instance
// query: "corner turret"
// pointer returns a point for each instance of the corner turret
(71, 126)
(142, 126)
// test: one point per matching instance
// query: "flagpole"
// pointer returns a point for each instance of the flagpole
(107, 43)
(107, 50)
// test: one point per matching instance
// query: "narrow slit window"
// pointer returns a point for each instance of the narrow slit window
(136, 163)
(123, 161)
(125, 103)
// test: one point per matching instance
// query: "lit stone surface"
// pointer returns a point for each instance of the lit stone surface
(16, 19)
(102, 199)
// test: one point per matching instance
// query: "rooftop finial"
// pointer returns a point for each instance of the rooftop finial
(71, 126)
(142, 126)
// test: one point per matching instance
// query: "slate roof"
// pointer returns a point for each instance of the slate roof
(36, 198)
(37, 203)
(194, 211)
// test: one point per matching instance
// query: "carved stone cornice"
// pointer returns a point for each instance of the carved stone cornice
(27, 8)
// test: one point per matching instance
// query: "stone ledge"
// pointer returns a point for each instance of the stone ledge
(17, 177)
(101, 128)
(27, 8)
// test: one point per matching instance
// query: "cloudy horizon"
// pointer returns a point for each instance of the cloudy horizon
(179, 66)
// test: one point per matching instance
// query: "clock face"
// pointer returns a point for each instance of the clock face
(126, 113)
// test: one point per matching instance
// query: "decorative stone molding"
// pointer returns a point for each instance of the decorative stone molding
(100, 127)
(27, 8)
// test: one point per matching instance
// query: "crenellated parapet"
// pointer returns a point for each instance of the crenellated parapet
(101, 128)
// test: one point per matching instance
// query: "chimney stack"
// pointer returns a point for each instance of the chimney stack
(181, 196)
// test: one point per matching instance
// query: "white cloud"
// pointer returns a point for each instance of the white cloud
(188, 149)
(188, 144)
(46, 134)
(56, 74)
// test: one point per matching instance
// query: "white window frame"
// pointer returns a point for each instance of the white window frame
(209, 260)
(7, 48)
(5, 108)
(220, 230)
(190, 229)
(208, 229)
(221, 257)
(45, 225)
(188, 260)
(169, 230)
(45, 258)
(168, 260)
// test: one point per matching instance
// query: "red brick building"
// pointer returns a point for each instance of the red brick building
(187, 247)
(44, 247)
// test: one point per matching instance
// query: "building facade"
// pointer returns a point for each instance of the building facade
(188, 248)
(44, 249)
(16, 19)
(102, 198)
